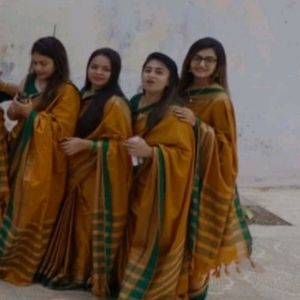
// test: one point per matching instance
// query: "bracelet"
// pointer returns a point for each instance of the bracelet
(94, 146)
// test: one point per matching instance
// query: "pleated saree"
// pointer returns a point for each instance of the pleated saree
(37, 177)
(160, 200)
(93, 219)
(218, 234)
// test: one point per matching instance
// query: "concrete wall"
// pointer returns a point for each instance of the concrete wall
(261, 39)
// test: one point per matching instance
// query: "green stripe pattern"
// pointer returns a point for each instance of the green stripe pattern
(19, 149)
(194, 211)
(141, 286)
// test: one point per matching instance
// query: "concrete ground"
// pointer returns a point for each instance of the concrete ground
(276, 255)
(276, 252)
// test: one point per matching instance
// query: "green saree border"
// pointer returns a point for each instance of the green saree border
(242, 220)
(144, 282)
(202, 296)
(203, 91)
(20, 146)
(194, 211)
(107, 211)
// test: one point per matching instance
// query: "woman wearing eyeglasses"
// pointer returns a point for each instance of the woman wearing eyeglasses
(218, 234)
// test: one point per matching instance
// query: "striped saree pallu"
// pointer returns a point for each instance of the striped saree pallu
(21, 243)
(218, 233)
(107, 232)
(142, 262)
(159, 206)
(66, 264)
(37, 183)
(91, 224)
(151, 273)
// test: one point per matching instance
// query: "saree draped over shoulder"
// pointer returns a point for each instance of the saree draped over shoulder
(37, 176)
(218, 233)
(160, 199)
(93, 219)
(4, 186)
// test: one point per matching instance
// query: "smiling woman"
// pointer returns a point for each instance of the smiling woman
(161, 187)
(99, 71)
(218, 233)
(94, 215)
(37, 164)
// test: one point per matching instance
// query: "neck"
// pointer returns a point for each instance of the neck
(41, 84)
(201, 82)
(151, 98)
(95, 88)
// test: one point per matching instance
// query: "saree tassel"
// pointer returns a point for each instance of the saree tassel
(217, 272)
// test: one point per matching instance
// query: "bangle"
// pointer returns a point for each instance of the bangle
(94, 146)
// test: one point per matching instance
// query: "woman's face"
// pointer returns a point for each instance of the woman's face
(99, 71)
(43, 66)
(155, 76)
(203, 64)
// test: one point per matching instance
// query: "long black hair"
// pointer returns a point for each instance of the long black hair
(220, 74)
(169, 93)
(93, 115)
(54, 49)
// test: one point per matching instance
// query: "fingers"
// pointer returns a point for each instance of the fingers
(67, 150)
(66, 146)
(131, 147)
(182, 112)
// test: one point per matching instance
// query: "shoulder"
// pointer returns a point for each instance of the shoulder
(68, 88)
(172, 118)
(222, 100)
(118, 100)
(117, 103)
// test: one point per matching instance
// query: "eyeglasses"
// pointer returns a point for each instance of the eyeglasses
(208, 60)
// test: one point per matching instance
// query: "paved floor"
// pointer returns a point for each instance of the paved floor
(276, 254)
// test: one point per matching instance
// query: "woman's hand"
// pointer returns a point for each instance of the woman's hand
(137, 146)
(185, 114)
(74, 145)
(18, 110)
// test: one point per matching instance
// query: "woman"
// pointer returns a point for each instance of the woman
(37, 164)
(221, 236)
(91, 226)
(161, 186)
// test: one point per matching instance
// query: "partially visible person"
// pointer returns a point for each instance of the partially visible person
(163, 149)
(7, 92)
(93, 219)
(4, 184)
(45, 117)
(218, 233)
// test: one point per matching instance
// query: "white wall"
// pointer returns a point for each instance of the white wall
(261, 39)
